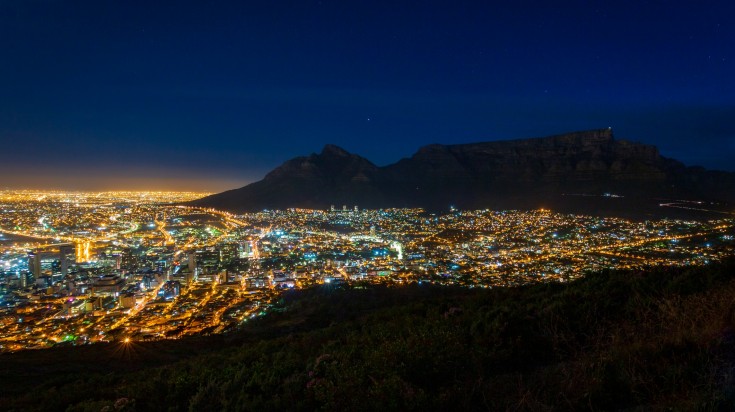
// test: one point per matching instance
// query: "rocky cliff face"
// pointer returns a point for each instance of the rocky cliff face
(506, 174)
(577, 162)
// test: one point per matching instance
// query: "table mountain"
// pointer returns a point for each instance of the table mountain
(571, 172)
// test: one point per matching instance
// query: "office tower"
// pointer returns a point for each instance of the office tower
(34, 264)
(64, 252)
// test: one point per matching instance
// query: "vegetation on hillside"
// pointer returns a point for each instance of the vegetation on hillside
(659, 339)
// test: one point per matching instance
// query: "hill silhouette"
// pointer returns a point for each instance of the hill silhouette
(569, 172)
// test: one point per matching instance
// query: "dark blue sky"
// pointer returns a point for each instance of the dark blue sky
(212, 95)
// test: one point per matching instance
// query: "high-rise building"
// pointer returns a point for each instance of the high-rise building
(191, 274)
(34, 264)
(192, 261)
(64, 252)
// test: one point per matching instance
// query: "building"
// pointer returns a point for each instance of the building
(34, 264)
(127, 300)
(108, 285)
(282, 281)
(257, 282)
(170, 290)
(64, 252)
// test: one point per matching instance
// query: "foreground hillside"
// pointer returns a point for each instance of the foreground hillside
(614, 340)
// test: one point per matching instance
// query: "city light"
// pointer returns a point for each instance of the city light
(81, 268)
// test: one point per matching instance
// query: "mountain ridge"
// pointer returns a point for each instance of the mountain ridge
(507, 174)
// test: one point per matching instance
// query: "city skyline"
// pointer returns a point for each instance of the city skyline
(140, 96)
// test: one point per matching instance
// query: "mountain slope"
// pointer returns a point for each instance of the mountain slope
(333, 175)
(535, 172)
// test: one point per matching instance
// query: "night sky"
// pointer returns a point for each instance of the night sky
(201, 95)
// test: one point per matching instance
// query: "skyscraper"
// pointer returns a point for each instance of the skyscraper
(34, 264)
(64, 252)
(191, 275)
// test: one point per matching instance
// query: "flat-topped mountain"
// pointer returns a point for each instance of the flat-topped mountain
(568, 172)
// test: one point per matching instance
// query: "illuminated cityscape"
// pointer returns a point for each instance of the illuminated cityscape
(367, 206)
(79, 268)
